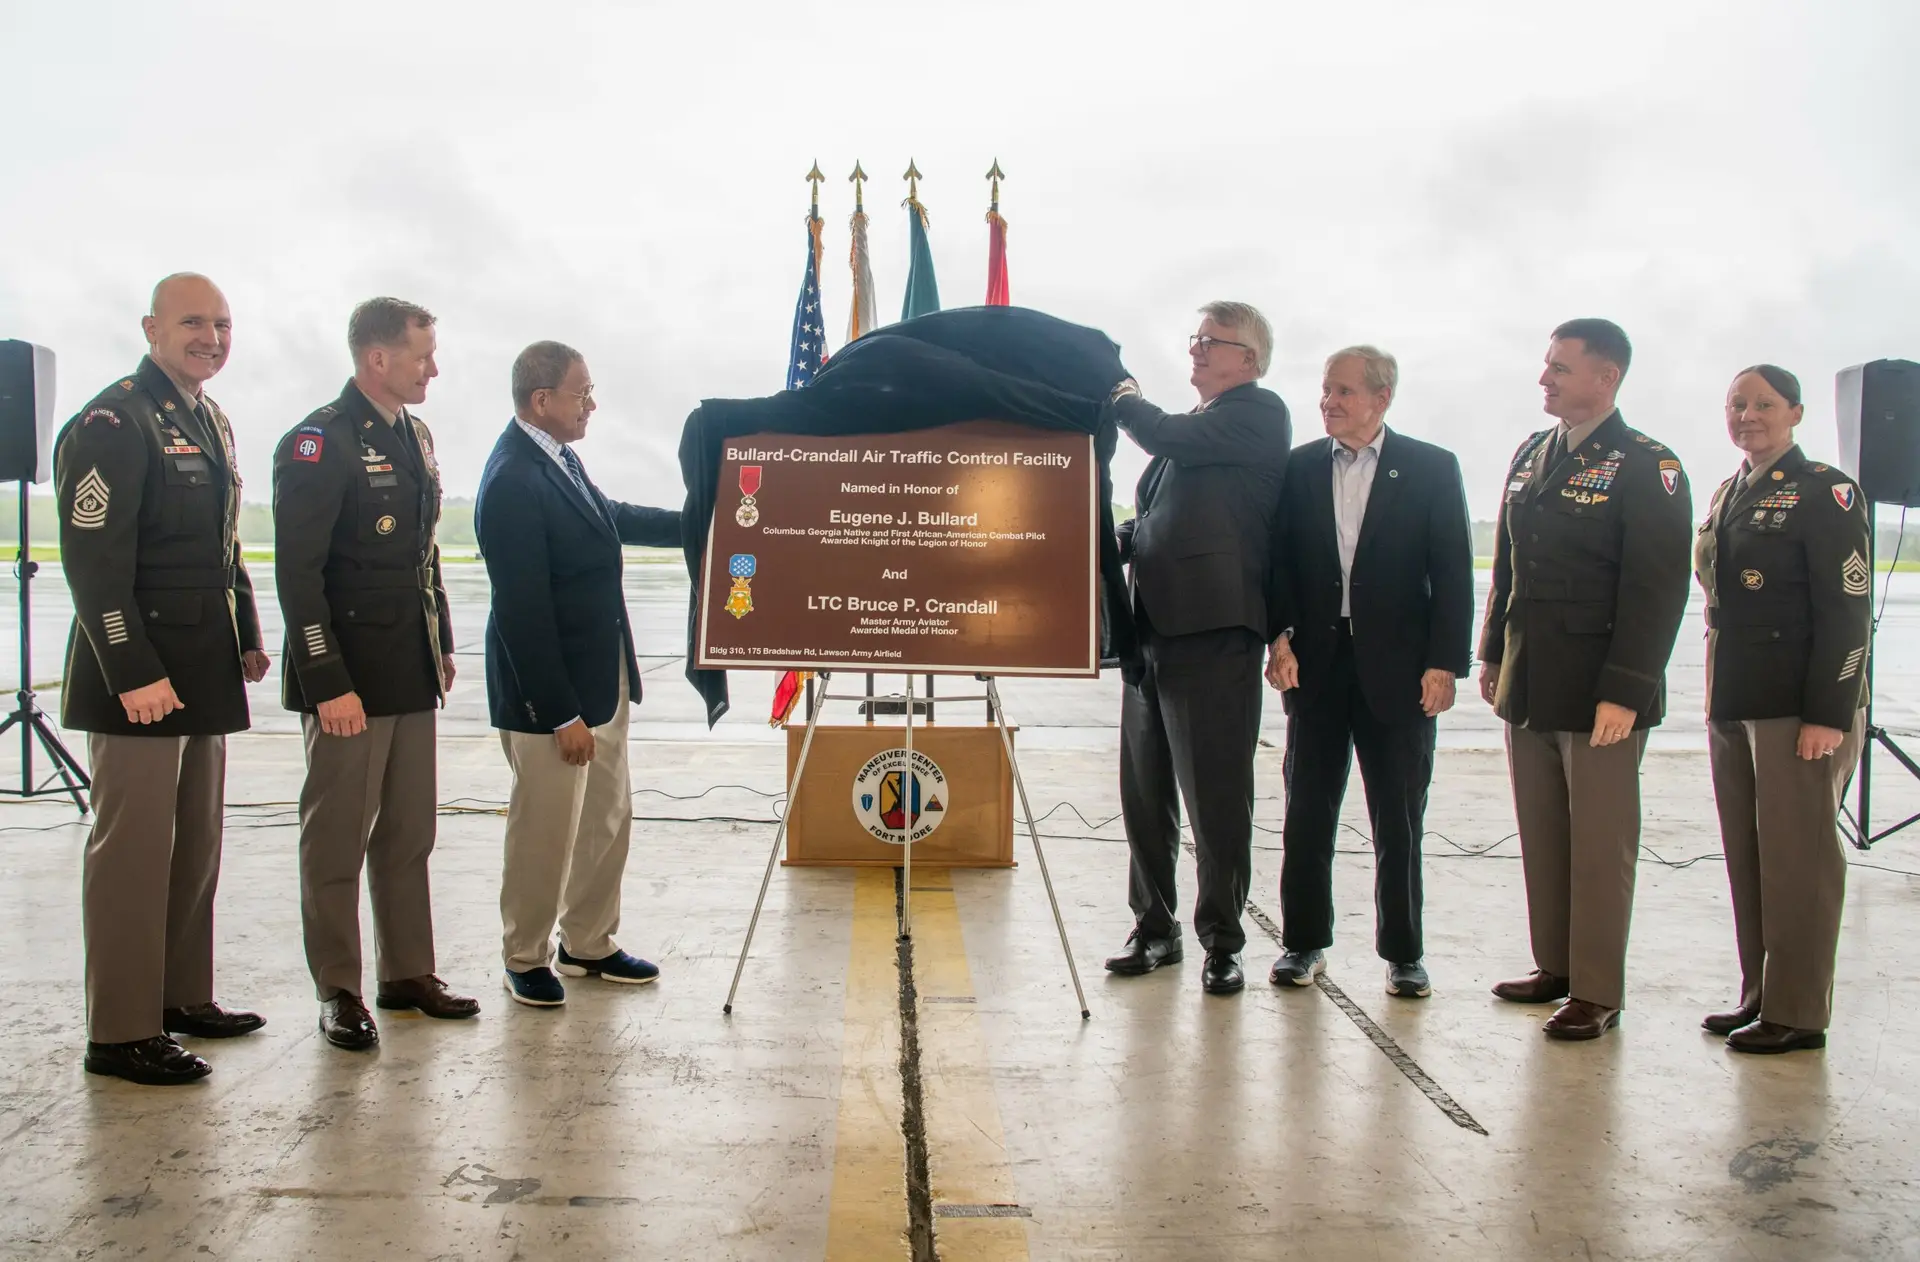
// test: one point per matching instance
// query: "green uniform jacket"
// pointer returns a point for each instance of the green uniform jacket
(1784, 565)
(355, 504)
(149, 502)
(1589, 579)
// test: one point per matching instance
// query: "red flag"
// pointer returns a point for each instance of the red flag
(786, 695)
(997, 295)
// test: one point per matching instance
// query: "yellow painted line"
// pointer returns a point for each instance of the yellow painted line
(966, 1148)
(867, 1211)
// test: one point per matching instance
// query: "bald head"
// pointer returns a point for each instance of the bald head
(189, 329)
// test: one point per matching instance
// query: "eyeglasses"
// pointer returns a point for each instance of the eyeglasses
(1202, 343)
(585, 396)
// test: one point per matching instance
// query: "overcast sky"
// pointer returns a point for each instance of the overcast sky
(1732, 182)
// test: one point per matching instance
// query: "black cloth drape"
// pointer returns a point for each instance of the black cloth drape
(973, 363)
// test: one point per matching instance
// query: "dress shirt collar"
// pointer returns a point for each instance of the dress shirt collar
(1575, 436)
(1753, 471)
(546, 442)
(1343, 452)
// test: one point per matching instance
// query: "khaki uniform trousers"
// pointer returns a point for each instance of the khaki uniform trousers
(369, 801)
(1785, 862)
(1579, 814)
(568, 829)
(152, 864)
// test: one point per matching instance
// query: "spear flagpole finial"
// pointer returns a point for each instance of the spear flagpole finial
(995, 176)
(859, 181)
(913, 178)
(816, 179)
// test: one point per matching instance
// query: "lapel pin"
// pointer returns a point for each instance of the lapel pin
(1393, 473)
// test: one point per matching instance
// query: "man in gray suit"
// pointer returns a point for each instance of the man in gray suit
(1198, 551)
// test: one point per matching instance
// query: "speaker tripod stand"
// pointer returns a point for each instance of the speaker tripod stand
(27, 714)
(1856, 821)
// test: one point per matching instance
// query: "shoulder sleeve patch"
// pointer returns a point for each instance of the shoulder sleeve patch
(308, 442)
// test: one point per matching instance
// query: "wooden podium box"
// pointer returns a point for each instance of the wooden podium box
(824, 828)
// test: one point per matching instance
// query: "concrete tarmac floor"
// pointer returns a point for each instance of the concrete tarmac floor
(641, 1123)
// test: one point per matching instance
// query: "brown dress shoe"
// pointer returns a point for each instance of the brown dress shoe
(345, 1022)
(1577, 1019)
(1764, 1038)
(1728, 1022)
(429, 996)
(1535, 987)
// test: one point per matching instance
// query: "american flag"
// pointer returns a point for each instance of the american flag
(809, 329)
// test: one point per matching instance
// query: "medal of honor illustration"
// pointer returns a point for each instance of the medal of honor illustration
(740, 567)
(748, 513)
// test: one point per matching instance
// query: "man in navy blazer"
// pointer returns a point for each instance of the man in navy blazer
(560, 675)
(1372, 605)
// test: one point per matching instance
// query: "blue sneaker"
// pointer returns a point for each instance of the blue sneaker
(630, 970)
(537, 988)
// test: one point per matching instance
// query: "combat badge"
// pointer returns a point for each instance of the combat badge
(1855, 578)
(1843, 495)
(740, 567)
(90, 501)
(1752, 580)
(749, 512)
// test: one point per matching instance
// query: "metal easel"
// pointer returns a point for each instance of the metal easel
(817, 704)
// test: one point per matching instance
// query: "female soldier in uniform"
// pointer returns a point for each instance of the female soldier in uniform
(1783, 560)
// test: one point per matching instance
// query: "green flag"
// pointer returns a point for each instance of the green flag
(923, 293)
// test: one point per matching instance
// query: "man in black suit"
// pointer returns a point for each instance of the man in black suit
(560, 674)
(1373, 593)
(1198, 552)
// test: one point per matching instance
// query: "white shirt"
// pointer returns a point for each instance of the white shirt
(1353, 473)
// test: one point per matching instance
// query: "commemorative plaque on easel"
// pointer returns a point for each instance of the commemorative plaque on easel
(967, 549)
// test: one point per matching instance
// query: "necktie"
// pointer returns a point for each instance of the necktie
(579, 476)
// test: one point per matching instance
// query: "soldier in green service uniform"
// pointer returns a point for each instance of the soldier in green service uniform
(165, 638)
(356, 497)
(1589, 586)
(1782, 557)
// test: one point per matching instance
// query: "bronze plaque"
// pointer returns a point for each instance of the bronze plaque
(964, 549)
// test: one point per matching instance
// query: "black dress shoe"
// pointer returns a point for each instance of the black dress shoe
(1728, 1022)
(1765, 1038)
(429, 996)
(1222, 975)
(152, 1062)
(1144, 954)
(210, 1021)
(345, 1022)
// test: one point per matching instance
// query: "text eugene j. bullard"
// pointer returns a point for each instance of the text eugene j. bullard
(858, 455)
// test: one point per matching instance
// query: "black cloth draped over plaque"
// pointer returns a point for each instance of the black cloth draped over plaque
(969, 364)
